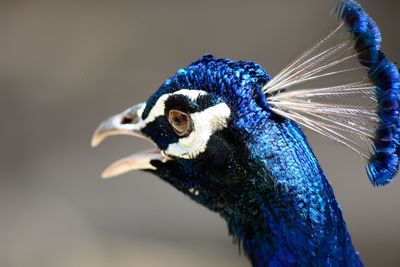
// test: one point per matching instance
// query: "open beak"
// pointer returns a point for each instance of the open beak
(130, 123)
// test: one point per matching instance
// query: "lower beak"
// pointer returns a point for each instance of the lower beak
(130, 123)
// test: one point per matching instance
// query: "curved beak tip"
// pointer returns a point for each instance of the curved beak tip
(96, 140)
(105, 175)
(111, 171)
(118, 168)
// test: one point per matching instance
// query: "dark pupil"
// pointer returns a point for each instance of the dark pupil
(179, 120)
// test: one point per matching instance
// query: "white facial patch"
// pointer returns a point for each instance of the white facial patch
(159, 108)
(205, 124)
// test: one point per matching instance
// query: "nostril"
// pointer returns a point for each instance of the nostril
(126, 120)
(131, 115)
(130, 119)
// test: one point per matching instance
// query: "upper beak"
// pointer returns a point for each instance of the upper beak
(130, 123)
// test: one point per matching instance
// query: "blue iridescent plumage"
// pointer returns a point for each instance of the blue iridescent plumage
(384, 163)
(298, 221)
(228, 137)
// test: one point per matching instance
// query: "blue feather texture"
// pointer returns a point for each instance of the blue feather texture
(384, 162)
(275, 197)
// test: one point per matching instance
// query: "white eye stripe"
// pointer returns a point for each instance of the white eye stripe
(159, 108)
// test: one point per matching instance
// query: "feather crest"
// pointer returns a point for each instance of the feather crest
(347, 90)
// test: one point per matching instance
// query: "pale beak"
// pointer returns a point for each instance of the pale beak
(130, 123)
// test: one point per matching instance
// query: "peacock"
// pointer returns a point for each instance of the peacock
(228, 135)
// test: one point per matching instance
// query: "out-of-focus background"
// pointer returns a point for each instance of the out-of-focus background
(66, 65)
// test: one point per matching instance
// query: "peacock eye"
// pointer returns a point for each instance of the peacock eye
(180, 122)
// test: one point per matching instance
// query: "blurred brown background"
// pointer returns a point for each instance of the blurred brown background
(66, 65)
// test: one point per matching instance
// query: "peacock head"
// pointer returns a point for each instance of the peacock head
(203, 122)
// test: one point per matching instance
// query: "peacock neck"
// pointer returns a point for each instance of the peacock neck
(294, 219)
(289, 234)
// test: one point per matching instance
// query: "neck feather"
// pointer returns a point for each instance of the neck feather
(297, 220)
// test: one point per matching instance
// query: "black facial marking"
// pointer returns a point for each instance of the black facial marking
(223, 153)
(181, 103)
(219, 175)
(161, 132)
(187, 105)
